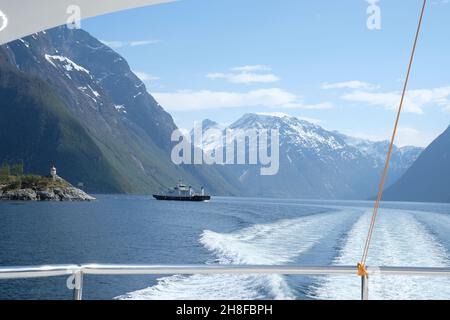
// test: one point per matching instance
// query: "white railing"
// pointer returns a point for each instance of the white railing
(76, 272)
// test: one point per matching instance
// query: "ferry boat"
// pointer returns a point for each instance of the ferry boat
(182, 192)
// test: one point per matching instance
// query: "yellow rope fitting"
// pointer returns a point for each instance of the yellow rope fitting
(362, 271)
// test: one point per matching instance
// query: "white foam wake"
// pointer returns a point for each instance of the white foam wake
(399, 240)
(276, 243)
(265, 244)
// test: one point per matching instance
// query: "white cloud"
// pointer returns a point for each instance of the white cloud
(388, 100)
(252, 68)
(441, 2)
(205, 99)
(145, 76)
(143, 42)
(415, 100)
(406, 136)
(301, 105)
(246, 75)
(413, 137)
(355, 84)
(119, 44)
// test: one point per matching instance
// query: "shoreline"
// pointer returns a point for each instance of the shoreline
(51, 194)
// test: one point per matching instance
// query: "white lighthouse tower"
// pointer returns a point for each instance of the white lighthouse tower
(53, 173)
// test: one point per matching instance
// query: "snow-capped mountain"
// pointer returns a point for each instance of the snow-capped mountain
(92, 88)
(75, 103)
(403, 157)
(314, 162)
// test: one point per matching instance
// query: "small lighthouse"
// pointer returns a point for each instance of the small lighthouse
(53, 172)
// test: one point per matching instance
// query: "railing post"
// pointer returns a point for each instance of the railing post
(75, 283)
(365, 287)
(78, 289)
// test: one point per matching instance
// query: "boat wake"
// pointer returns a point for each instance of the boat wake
(402, 238)
(399, 240)
(263, 244)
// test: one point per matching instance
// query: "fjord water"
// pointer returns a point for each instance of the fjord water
(140, 230)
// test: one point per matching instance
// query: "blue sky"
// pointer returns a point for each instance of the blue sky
(316, 60)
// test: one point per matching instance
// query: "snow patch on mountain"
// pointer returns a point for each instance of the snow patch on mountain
(66, 63)
(26, 44)
(120, 108)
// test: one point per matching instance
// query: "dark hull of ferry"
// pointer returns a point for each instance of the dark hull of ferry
(181, 198)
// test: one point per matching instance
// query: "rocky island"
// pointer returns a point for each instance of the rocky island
(40, 188)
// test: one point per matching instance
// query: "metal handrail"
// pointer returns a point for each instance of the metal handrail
(76, 272)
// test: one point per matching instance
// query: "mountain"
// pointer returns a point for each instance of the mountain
(68, 100)
(78, 105)
(428, 179)
(37, 128)
(402, 158)
(314, 162)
